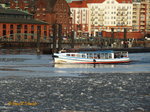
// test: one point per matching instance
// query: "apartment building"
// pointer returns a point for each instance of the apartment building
(136, 15)
(141, 16)
(80, 18)
(148, 17)
(103, 15)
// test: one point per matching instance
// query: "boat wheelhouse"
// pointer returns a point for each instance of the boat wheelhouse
(92, 57)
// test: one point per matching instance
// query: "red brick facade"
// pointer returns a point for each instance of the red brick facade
(59, 14)
(18, 25)
(10, 31)
(51, 11)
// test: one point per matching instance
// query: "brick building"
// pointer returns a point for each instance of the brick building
(19, 25)
(51, 11)
(54, 12)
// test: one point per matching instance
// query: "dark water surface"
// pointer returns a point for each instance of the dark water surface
(27, 77)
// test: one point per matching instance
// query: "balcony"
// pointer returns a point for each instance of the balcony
(143, 7)
(101, 20)
(142, 10)
(142, 23)
(143, 28)
(134, 19)
(134, 10)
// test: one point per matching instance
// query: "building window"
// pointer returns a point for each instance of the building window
(25, 37)
(32, 32)
(37, 14)
(11, 26)
(18, 37)
(11, 31)
(4, 26)
(25, 31)
(11, 37)
(32, 37)
(18, 31)
(45, 37)
(32, 27)
(39, 27)
(4, 32)
(19, 26)
(45, 28)
(25, 26)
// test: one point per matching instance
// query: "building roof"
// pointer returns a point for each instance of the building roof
(49, 4)
(21, 21)
(124, 1)
(83, 4)
(4, 1)
(13, 19)
(95, 1)
(13, 11)
(78, 4)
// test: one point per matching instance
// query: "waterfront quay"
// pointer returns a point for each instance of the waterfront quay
(97, 43)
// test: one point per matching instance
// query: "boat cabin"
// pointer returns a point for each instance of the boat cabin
(99, 55)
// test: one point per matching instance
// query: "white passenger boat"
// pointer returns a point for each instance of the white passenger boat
(92, 57)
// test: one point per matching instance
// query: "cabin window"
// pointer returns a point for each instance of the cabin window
(102, 56)
(105, 56)
(124, 54)
(95, 55)
(98, 56)
(77, 55)
(90, 55)
(83, 55)
(68, 54)
(73, 55)
(109, 56)
(117, 55)
(87, 55)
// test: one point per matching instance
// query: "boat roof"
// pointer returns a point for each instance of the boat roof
(103, 51)
(99, 51)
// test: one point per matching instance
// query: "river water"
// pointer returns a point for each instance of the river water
(28, 77)
(27, 63)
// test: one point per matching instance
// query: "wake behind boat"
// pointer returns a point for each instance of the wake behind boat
(92, 57)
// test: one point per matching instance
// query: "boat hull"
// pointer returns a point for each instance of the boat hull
(92, 61)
